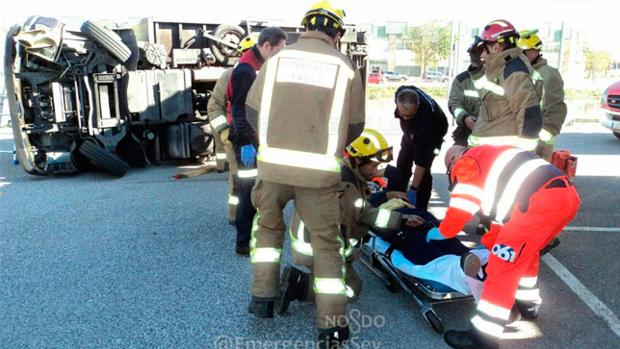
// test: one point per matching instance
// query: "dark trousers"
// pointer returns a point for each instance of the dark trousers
(245, 209)
(405, 164)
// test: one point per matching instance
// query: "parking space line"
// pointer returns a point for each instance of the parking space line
(595, 229)
(595, 304)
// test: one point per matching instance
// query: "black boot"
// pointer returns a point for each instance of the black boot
(261, 307)
(293, 286)
(470, 339)
(332, 338)
(529, 310)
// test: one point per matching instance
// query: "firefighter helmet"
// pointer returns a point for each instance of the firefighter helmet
(246, 44)
(370, 145)
(529, 40)
(324, 14)
(499, 31)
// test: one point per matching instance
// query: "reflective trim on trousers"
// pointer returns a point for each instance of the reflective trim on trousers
(487, 327)
(469, 190)
(220, 156)
(528, 281)
(531, 295)
(233, 200)
(330, 286)
(295, 158)
(493, 310)
(252, 173)
(299, 245)
(265, 255)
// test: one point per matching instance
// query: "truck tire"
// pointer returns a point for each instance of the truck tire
(107, 39)
(103, 160)
(230, 33)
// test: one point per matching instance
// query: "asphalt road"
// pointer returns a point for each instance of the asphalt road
(147, 262)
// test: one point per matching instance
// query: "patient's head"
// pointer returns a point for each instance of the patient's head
(368, 169)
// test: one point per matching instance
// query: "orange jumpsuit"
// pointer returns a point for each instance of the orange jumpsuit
(530, 202)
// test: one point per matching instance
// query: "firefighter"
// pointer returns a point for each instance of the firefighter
(424, 125)
(510, 113)
(220, 118)
(307, 103)
(464, 101)
(530, 201)
(364, 155)
(553, 106)
(242, 136)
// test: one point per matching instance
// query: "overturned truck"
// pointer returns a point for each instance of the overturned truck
(99, 98)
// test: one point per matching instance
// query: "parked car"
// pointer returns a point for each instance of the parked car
(96, 98)
(375, 78)
(610, 105)
(394, 76)
(436, 76)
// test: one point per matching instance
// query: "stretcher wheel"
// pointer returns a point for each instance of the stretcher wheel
(432, 318)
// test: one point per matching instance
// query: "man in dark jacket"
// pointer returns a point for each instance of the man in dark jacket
(424, 125)
(242, 136)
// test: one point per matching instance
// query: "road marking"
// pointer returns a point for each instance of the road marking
(598, 307)
(595, 229)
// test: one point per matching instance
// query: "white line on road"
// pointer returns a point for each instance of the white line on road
(598, 307)
(595, 229)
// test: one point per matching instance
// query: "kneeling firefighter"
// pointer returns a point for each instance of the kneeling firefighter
(364, 155)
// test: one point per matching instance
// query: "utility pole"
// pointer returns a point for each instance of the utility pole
(561, 58)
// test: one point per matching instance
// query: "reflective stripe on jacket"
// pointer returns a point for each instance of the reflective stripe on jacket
(306, 104)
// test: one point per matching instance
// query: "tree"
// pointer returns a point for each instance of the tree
(430, 43)
(596, 61)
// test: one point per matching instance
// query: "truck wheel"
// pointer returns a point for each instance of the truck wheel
(101, 159)
(229, 33)
(617, 134)
(107, 39)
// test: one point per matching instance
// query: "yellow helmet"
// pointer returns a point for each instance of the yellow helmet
(370, 145)
(246, 44)
(324, 11)
(529, 40)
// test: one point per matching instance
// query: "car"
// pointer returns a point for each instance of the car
(610, 106)
(436, 76)
(375, 78)
(90, 97)
(394, 76)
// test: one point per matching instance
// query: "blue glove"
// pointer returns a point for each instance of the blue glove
(434, 234)
(248, 155)
(411, 195)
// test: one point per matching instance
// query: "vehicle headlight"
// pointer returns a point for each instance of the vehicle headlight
(604, 98)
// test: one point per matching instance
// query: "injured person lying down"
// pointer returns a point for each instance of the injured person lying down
(384, 208)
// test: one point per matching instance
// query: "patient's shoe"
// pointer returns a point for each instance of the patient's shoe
(293, 286)
(471, 265)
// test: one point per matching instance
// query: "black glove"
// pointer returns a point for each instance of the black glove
(474, 54)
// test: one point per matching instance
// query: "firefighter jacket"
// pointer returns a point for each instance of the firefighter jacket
(464, 99)
(306, 104)
(359, 211)
(510, 111)
(553, 106)
(494, 180)
(241, 80)
(217, 107)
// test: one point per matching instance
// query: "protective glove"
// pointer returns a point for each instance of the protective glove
(474, 55)
(411, 195)
(248, 155)
(434, 234)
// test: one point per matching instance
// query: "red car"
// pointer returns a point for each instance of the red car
(375, 78)
(610, 105)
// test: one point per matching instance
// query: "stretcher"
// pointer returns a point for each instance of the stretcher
(439, 281)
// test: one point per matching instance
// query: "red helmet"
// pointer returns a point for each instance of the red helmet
(498, 31)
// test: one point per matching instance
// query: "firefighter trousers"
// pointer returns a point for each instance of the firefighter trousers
(246, 178)
(320, 211)
(233, 189)
(515, 254)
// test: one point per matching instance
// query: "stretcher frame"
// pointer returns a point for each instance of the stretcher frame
(423, 296)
